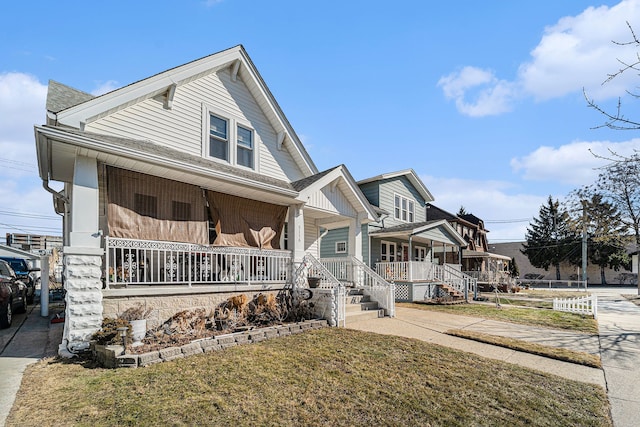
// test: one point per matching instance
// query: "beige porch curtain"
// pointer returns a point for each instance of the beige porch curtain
(151, 208)
(245, 222)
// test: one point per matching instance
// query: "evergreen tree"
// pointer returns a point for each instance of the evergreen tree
(606, 231)
(550, 239)
(513, 268)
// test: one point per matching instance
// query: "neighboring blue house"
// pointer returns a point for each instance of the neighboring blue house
(422, 256)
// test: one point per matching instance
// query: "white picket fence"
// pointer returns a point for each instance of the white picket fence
(582, 305)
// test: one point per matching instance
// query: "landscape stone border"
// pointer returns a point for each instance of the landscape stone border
(110, 356)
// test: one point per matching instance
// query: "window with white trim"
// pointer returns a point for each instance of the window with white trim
(218, 137)
(229, 139)
(244, 142)
(404, 209)
(341, 247)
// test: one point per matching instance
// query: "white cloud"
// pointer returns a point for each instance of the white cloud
(573, 164)
(105, 87)
(493, 96)
(574, 54)
(578, 52)
(22, 105)
(506, 215)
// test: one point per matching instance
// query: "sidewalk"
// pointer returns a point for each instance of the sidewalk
(35, 339)
(619, 323)
(430, 326)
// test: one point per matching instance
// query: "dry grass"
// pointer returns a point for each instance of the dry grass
(563, 354)
(521, 315)
(325, 377)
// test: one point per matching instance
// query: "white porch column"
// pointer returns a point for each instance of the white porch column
(355, 237)
(84, 204)
(296, 232)
(82, 261)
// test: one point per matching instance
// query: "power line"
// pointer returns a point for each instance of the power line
(506, 221)
(28, 215)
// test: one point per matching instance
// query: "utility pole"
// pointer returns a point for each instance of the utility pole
(584, 243)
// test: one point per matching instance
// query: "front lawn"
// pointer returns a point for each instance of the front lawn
(329, 376)
(521, 315)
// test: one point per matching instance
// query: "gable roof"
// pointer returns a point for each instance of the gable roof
(434, 212)
(339, 175)
(66, 111)
(412, 229)
(411, 175)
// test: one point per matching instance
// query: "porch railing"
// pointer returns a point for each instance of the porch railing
(312, 269)
(379, 289)
(145, 262)
(352, 270)
(491, 277)
(411, 271)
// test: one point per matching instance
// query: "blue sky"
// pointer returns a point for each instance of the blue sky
(484, 100)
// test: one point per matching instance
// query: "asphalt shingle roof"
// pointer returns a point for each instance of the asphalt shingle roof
(61, 97)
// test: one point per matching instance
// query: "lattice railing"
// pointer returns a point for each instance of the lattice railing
(147, 262)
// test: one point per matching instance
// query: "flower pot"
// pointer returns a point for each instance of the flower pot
(313, 282)
(138, 331)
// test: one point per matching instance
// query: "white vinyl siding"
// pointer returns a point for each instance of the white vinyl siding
(400, 186)
(331, 201)
(182, 127)
(311, 234)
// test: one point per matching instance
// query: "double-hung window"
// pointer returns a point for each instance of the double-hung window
(244, 142)
(404, 209)
(218, 137)
(229, 139)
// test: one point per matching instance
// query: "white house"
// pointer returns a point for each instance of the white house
(184, 188)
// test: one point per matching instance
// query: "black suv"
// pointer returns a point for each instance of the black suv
(22, 270)
(13, 294)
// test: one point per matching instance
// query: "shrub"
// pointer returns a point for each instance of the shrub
(109, 333)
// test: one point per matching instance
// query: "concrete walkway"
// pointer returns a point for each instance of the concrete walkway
(430, 326)
(619, 324)
(32, 339)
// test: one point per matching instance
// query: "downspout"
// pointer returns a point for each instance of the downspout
(56, 194)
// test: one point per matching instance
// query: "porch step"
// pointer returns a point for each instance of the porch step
(360, 307)
(451, 290)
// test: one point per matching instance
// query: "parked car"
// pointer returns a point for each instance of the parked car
(13, 294)
(24, 273)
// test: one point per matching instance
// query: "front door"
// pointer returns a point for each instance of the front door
(387, 252)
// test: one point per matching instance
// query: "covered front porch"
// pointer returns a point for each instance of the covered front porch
(426, 256)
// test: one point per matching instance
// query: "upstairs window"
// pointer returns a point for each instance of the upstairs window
(229, 139)
(341, 247)
(245, 147)
(218, 138)
(404, 209)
